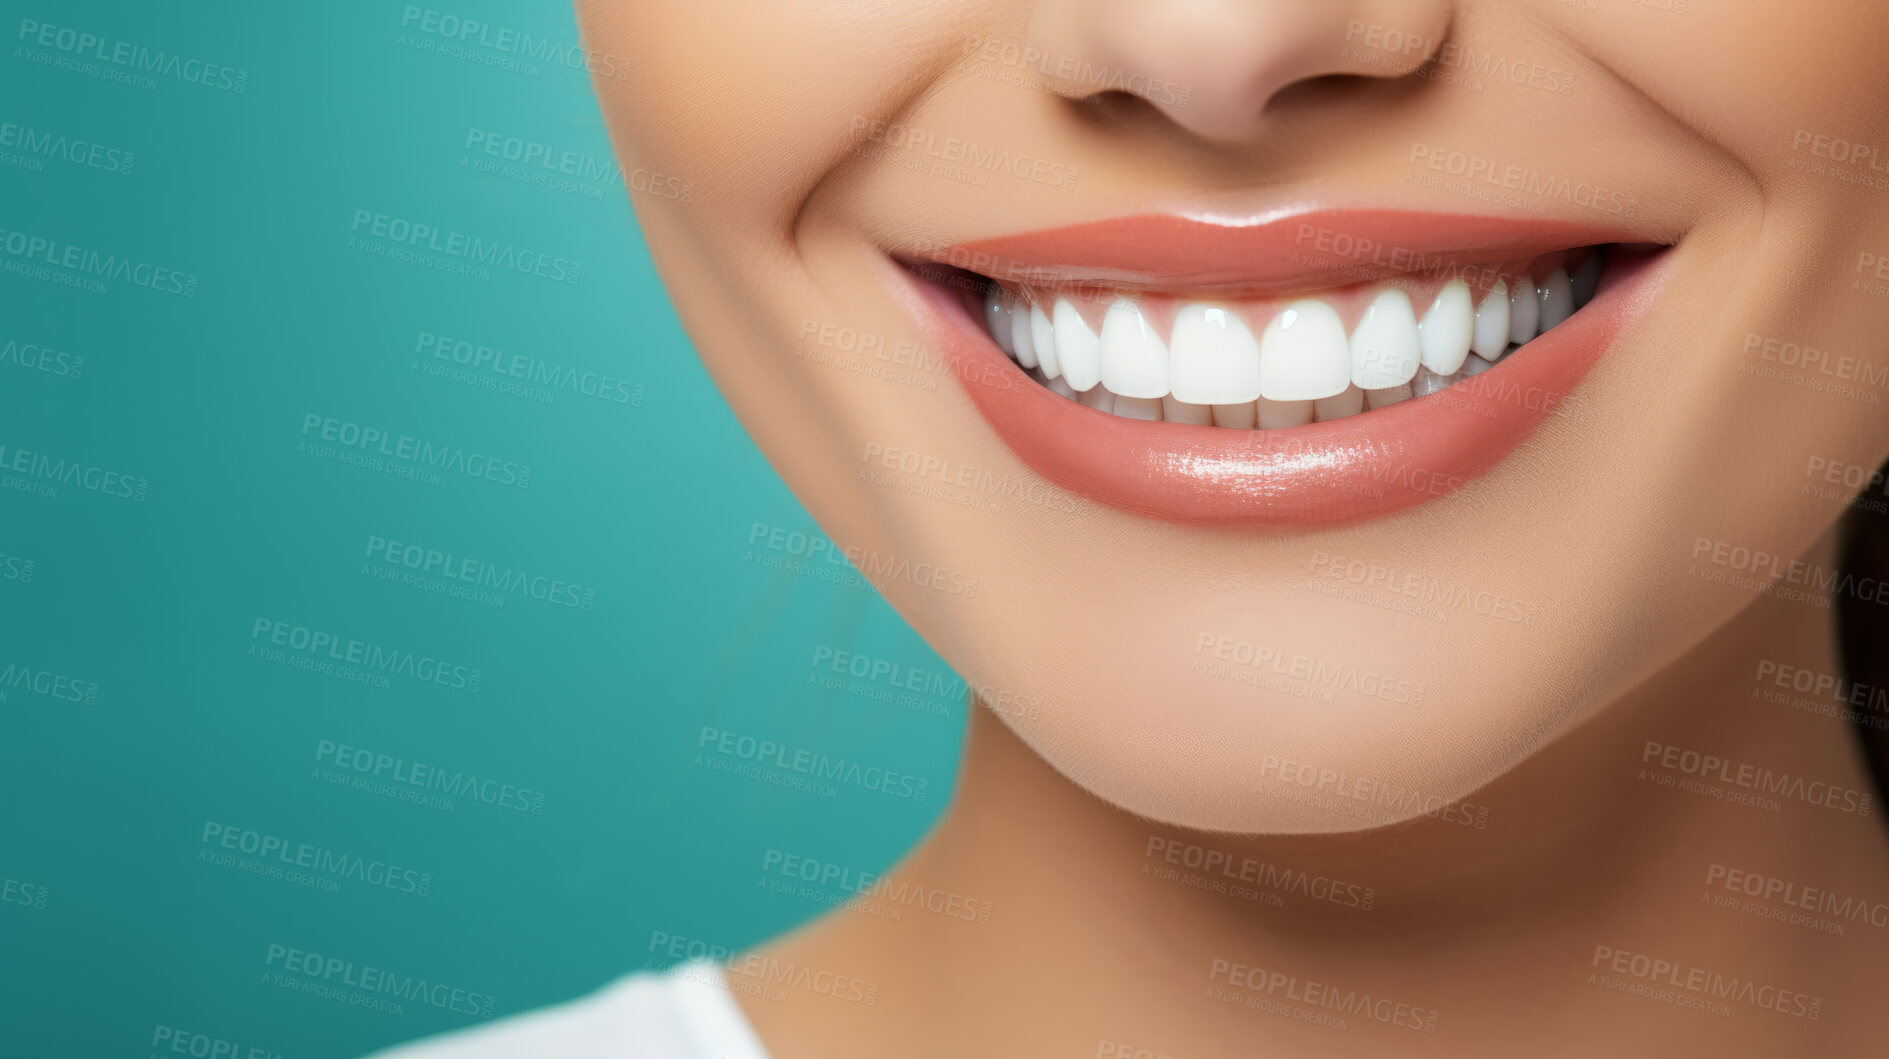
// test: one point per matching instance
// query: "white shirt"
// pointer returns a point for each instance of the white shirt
(683, 1013)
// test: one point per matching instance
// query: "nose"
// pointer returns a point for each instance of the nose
(1212, 66)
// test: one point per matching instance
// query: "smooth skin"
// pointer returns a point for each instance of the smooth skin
(1717, 121)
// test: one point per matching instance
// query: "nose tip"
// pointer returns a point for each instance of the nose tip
(1212, 66)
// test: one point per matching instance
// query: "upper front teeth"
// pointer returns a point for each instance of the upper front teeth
(1134, 359)
(1491, 335)
(1303, 365)
(1303, 356)
(1215, 359)
(1386, 344)
(1043, 341)
(1447, 329)
(1076, 347)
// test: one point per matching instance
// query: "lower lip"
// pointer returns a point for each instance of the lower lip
(1320, 474)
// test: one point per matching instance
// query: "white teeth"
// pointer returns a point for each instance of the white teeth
(1387, 397)
(1303, 355)
(1301, 369)
(997, 320)
(1176, 411)
(1384, 347)
(1524, 310)
(1276, 414)
(1448, 328)
(1492, 323)
(1349, 403)
(1239, 415)
(1076, 347)
(1020, 339)
(1586, 279)
(1134, 360)
(1138, 408)
(1043, 340)
(1428, 382)
(1557, 299)
(1212, 357)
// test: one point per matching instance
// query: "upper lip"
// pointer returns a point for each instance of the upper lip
(1276, 252)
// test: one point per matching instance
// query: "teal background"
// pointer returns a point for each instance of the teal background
(118, 922)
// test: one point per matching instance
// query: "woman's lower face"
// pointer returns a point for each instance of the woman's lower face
(1260, 399)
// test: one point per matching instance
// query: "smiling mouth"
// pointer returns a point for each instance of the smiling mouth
(1270, 363)
(1299, 369)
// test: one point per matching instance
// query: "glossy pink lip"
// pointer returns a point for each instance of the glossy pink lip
(1350, 469)
(1274, 254)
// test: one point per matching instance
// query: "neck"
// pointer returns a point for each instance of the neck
(1107, 934)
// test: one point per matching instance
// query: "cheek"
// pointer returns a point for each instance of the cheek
(1751, 72)
(756, 102)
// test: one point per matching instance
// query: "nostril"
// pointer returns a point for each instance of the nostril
(1222, 64)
